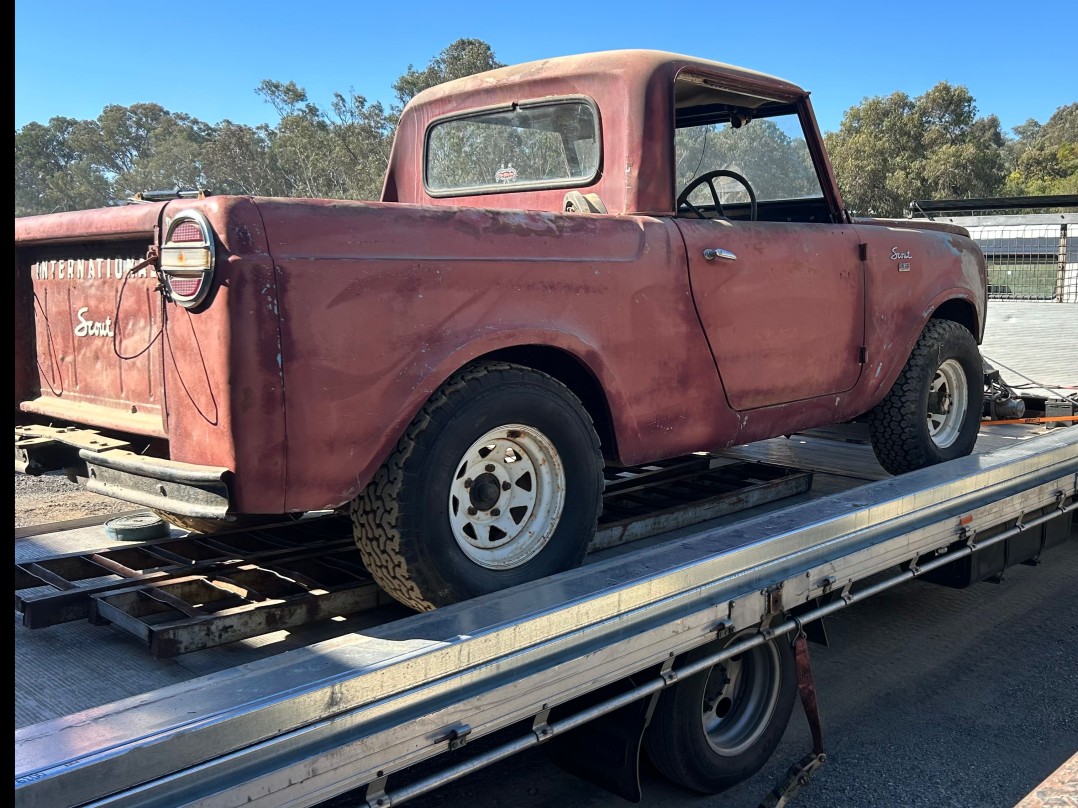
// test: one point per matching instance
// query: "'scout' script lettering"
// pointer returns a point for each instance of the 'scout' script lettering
(92, 328)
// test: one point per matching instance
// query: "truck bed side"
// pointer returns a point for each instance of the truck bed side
(379, 306)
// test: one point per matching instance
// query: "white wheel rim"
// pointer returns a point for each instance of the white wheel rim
(506, 496)
(947, 403)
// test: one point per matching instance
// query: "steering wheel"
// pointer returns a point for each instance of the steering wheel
(708, 179)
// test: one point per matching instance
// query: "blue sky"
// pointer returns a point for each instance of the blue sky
(206, 59)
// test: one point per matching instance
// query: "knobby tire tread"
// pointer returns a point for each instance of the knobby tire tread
(375, 511)
(896, 425)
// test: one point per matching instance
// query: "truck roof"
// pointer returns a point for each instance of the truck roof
(636, 92)
(634, 64)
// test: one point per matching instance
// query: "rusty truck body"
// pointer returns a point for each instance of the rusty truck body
(603, 259)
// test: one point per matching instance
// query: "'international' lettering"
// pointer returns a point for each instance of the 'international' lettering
(86, 269)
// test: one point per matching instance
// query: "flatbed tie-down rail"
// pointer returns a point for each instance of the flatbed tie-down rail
(192, 593)
(310, 724)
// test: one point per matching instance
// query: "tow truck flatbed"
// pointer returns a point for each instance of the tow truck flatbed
(354, 702)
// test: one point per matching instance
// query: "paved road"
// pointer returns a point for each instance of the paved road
(931, 698)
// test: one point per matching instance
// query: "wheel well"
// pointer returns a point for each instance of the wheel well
(575, 375)
(961, 312)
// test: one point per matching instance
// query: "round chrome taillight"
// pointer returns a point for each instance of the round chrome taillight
(187, 258)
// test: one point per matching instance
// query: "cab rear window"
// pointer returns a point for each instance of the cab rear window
(541, 144)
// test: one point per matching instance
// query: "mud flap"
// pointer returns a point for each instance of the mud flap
(801, 772)
(606, 751)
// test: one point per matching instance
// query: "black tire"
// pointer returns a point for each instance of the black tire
(719, 727)
(137, 527)
(210, 527)
(428, 526)
(933, 411)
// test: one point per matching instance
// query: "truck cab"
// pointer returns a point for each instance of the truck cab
(734, 160)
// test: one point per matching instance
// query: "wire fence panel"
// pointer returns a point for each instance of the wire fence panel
(1030, 256)
(1029, 262)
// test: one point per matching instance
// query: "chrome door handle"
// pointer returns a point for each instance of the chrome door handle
(711, 254)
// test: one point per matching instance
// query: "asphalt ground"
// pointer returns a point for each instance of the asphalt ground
(931, 698)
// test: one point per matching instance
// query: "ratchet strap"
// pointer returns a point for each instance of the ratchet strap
(801, 772)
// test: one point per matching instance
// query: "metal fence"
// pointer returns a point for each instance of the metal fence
(1030, 261)
(1030, 256)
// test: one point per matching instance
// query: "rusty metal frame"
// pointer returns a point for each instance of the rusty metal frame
(58, 589)
(195, 612)
(187, 594)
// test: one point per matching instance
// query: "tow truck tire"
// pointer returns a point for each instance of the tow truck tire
(716, 729)
(933, 411)
(497, 481)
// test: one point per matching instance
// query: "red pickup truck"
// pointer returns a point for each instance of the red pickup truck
(611, 258)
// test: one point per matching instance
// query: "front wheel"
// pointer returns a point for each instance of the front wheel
(932, 412)
(496, 482)
(719, 727)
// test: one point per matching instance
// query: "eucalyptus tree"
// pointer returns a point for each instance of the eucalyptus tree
(890, 150)
(1045, 156)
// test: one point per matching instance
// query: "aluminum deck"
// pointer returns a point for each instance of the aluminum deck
(50, 663)
(257, 729)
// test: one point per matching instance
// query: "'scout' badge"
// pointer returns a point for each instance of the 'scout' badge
(903, 257)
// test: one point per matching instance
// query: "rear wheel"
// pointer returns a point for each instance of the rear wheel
(718, 728)
(932, 412)
(497, 481)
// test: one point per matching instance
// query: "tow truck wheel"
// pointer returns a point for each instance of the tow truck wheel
(497, 481)
(933, 410)
(718, 728)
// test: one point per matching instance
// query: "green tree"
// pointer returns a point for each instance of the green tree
(171, 158)
(340, 154)
(891, 150)
(343, 152)
(464, 57)
(119, 135)
(238, 159)
(364, 135)
(301, 144)
(52, 174)
(1044, 159)
(72, 164)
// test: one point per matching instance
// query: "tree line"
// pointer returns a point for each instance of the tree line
(887, 151)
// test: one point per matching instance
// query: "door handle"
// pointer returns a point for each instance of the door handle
(710, 254)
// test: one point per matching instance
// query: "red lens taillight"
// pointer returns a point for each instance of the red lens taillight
(184, 287)
(186, 232)
(187, 258)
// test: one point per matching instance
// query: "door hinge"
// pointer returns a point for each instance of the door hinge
(862, 251)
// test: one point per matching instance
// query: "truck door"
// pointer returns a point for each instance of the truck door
(782, 305)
